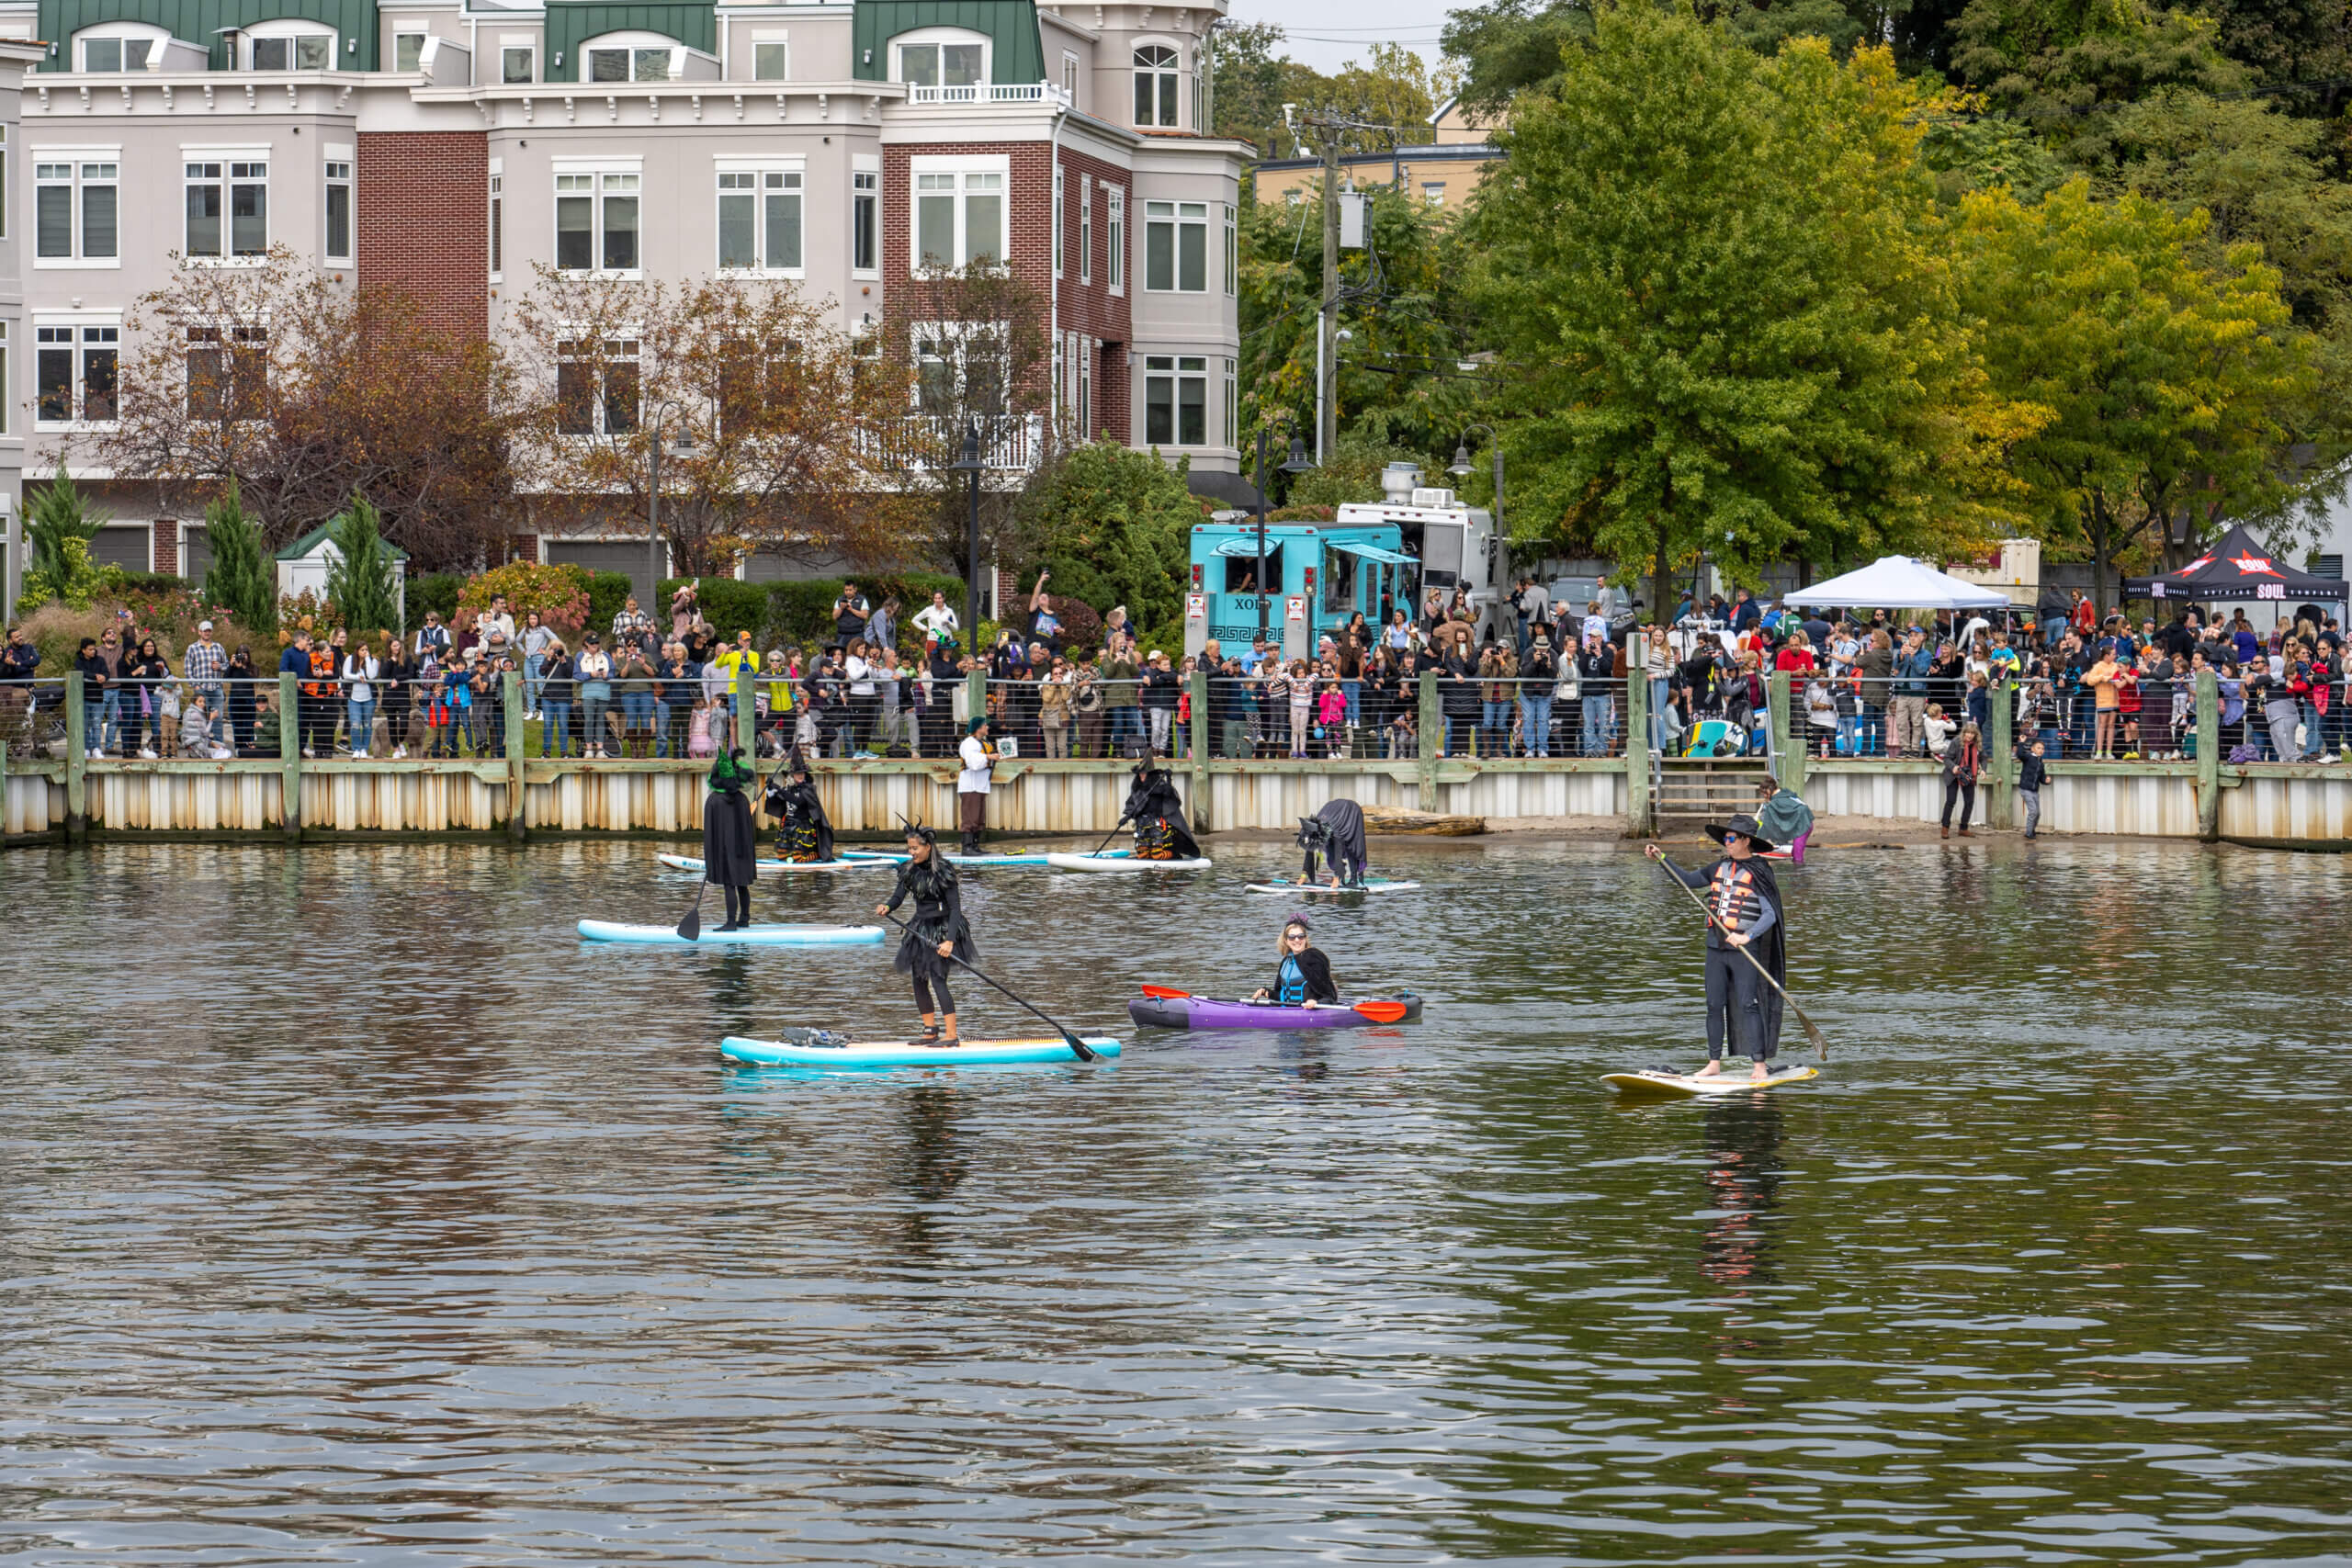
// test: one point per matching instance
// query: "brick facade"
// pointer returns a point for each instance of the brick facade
(423, 211)
(163, 544)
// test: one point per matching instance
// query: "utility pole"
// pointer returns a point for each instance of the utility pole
(1327, 353)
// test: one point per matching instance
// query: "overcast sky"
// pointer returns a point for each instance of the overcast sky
(1327, 34)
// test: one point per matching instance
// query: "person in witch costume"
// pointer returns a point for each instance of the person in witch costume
(803, 832)
(1745, 913)
(1337, 834)
(1302, 976)
(1157, 813)
(936, 935)
(729, 849)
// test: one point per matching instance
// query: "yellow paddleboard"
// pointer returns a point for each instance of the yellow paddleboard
(1655, 1084)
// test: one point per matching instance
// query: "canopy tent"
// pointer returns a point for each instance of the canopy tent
(1897, 582)
(2236, 569)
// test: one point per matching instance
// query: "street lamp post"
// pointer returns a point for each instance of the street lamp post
(1462, 469)
(662, 413)
(1297, 464)
(970, 463)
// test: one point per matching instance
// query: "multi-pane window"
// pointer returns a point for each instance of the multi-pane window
(759, 218)
(228, 208)
(1155, 86)
(1232, 406)
(959, 220)
(338, 209)
(771, 59)
(942, 64)
(408, 52)
(75, 211)
(596, 221)
(1069, 77)
(306, 52)
(1059, 213)
(1175, 400)
(517, 63)
(972, 359)
(631, 64)
(596, 394)
(1086, 228)
(1115, 212)
(497, 225)
(1085, 389)
(226, 370)
(865, 220)
(118, 53)
(1232, 254)
(74, 374)
(1176, 246)
(4, 377)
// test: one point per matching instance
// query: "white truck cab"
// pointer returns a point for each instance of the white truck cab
(1455, 545)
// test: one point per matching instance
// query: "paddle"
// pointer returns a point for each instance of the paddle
(1380, 1011)
(1812, 1031)
(1085, 1053)
(690, 929)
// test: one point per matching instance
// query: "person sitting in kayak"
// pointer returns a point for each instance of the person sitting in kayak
(803, 832)
(938, 933)
(1304, 978)
(1336, 833)
(1157, 813)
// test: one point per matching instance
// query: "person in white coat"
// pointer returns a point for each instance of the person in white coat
(972, 783)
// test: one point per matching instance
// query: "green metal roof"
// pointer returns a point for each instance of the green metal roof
(199, 22)
(572, 23)
(1019, 55)
(310, 541)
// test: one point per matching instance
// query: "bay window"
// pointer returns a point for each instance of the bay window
(1176, 246)
(1175, 400)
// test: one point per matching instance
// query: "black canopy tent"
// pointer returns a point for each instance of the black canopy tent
(2235, 571)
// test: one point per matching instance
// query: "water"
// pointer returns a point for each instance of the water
(357, 1214)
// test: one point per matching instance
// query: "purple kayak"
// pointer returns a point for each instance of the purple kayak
(1208, 1012)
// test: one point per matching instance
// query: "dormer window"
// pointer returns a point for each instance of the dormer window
(942, 58)
(632, 57)
(1155, 71)
(289, 46)
(122, 46)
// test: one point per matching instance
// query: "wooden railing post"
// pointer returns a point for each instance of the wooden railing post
(747, 716)
(2209, 756)
(1432, 723)
(290, 755)
(1196, 735)
(1637, 750)
(511, 694)
(2000, 752)
(77, 755)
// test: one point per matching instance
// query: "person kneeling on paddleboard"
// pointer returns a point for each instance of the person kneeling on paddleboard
(1336, 833)
(1744, 920)
(1157, 813)
(936, 935)
(803, 832)
(1304, 978)
(729, 849)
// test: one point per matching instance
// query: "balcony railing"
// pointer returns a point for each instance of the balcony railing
(1010, 442)
(990, 93)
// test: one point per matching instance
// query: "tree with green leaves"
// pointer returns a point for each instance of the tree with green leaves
(1114, 526)
(1724, 287)
(55, 515)
(2064, 66)
(242, 579)
(359, 576)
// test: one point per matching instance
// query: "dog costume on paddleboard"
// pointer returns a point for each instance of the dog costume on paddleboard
(1337, 834)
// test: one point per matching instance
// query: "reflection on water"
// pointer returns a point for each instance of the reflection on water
(356, 1213)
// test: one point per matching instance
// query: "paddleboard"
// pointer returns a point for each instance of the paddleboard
(1324, 890)
(1210, 1012)
(773, 867)
(1126, 862)
(815, 1048)
(886, 857)
(753, 936)
(1655, 1084)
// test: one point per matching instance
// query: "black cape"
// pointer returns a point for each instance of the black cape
(1152, 797)
(938, 915)
(730, 849)
(1316, 968)
(1772, 949)
(1336, 833)
(796, 805)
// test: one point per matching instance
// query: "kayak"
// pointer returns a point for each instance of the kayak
(753, 936)
(1208, 1012)
(1323, 890)
(773, 867)
(1123, 863)
(818, 1048)
(1655, 1084)
(890, 857)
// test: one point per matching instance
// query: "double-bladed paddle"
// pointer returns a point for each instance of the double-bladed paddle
(1085, 1053)
(1378, 1012)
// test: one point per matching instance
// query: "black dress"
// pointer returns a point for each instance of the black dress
(938, 916)
(1157, 813)
(803, 832)
(729, 852)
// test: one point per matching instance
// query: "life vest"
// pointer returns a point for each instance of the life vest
(1291, 983)
(1732, 897)
(322, 664)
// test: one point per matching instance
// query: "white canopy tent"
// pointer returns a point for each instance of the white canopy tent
(1898, 582)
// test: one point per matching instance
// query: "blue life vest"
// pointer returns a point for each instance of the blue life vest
(1293, 991)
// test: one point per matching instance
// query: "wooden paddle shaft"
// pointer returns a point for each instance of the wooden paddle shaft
(1813, 1032)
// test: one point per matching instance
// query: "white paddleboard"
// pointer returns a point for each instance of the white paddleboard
(775, 867)
(1130, 863)
(1654, 1085)
(1369, 885)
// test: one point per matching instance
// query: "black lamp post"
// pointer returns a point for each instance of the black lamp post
(1299, 463)
(1461, 469)
(971, 464)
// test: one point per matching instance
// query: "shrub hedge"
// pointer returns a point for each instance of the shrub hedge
(798, 614)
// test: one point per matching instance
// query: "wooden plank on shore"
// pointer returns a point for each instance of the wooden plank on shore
(1394, 819)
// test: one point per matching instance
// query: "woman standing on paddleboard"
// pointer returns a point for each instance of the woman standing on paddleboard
(730, 849)
(1304, 978)
(1744, 922)
(937, 934)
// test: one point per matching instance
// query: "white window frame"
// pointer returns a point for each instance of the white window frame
(228, 342)
(157, 38)
(637, 44)
(1069, 76)
(771, 179)
(1115, 225)
(524, 43)
(496, 213)
(8, 389)
(78, 163)
(771, 38)
(1232, 258)
(340, 159)
(937, 36)
(951, 341)
(1176, 370)
(1060, 214)
(965, 173)
(1167, 80)
(1086, 228)
(617, 349)
(608, 179)
(1085, 405)
(410, 27)
(1176, 216)
(289, 28)
(227, 162)
(1232, 405)
(84, 331)
(865, 219)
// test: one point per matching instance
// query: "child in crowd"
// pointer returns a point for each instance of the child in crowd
(698, 741)
(1939, 730)
(168, 716)
(1332, 717)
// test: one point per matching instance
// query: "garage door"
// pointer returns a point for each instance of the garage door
(603, 556)
(123, 545)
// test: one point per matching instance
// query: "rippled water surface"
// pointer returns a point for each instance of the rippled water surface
(351, 1210)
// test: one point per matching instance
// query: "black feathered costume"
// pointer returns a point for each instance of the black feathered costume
(1157, 813)
(938, 916)
(803, 831)
(1742, 1012)
(729, 849)
(1337, 834)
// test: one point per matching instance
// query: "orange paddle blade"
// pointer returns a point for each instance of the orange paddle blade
(1166, 993)
(1380, 1012)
